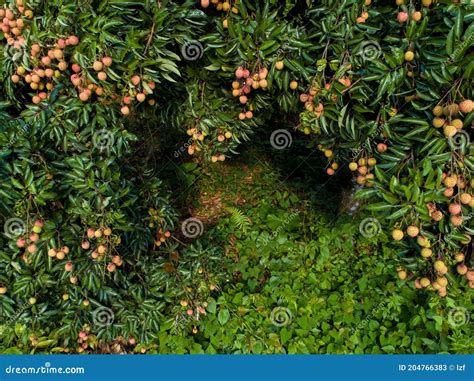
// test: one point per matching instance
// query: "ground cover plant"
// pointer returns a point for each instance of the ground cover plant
(236, 176)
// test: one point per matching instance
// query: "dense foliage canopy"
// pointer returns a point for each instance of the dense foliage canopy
(100, 104)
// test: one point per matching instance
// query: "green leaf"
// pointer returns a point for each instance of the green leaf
(223, 316)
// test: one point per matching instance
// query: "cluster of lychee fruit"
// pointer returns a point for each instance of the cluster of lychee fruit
(224, 6)
(198, 136)
(363, 168)
(103, 248)
(85, 339)
(362, 18)
(462, 269)
(60, 253)
(308, 100)
(138, 92)
(364, 15)
(221, 137)
(243, 84)
(85, 87)
(403, 16)
(439, 267)
(245, 81)
(82, 340)
(161, 237)
(13, 21)
(193, 311)
(412, 231)
(459, 195)
(156, 219)
(456, 188)
(48, 63)
(88, 341)
(329, 154)
(30, 241)
(217, 157)
(439, 282)
(312, 98)
(446, 116)
(425, 3)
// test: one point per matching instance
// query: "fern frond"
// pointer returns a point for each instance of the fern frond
(239, 219)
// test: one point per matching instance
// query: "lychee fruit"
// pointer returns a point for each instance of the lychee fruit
(413, 231)
(397, 235)
(455, 209)
(402, 16)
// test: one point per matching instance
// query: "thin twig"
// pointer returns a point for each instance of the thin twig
(150, 38)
